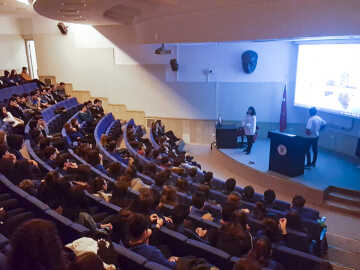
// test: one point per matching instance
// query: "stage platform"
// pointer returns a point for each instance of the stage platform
(332, 169)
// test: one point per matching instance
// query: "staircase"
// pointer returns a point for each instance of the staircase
(343, 200)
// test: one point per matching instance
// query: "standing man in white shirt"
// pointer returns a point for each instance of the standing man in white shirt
(250, 128)
(313, 127)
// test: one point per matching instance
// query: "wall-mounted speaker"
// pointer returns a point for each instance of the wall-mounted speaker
(174, 64)
(62, 28)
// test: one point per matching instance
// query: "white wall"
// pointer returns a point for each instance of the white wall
(12, 45)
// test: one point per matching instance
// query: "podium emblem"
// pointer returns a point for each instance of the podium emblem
(282, 150)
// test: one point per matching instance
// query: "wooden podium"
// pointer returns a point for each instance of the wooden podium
(287, 153)
(226, 136)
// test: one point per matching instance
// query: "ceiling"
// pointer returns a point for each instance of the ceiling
(130, 12)
(13, 8)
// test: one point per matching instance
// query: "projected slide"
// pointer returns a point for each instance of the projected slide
(328, 77)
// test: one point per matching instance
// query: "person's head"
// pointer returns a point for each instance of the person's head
(198, 200)
(3, 111)
(13, 73)
(261, 252)
(74, 122)
(208, 176)
(12, 101)
(298, 202)
(50, 152)
(182, 185)
(240, 218)
(115, 169)
(248, 193)
(259, 211)
(51, 177)
(192, 172)
(251, 111)
(97, 102)
(6, 73)
(83, 108)
(180, 213)
(15, 141)
(93, 157)
(43, 143)
(227, 212)
(160, 179)
(234, 198)
(168, 195)
(36, 245)
(312, 111)
(130, 172)
(270, 227)
(247, 264)
(87, 261)
(269, 196)
(120, 189)
(230, 184)
(139, 229)
(99, 184)
(28, 186)
(3, 149)
(144, 202)
(24, 69)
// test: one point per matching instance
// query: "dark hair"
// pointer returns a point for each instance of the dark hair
(230, 184)
(198, 200)
(115, 169)
(97, 184)
(192, 172)
(259, 211)
(160, 179)
(180, 213)
(93, 157)
(271, 229)
(137, 226)
(248, 193)
(144, 203)
(208, 176)
(261, 251)
(269, 196)
(36, 245)
(182, 185)
(228, 211)
(87, 261)
(15, 141)
(119, 191)
(294, 220)
(49, 151)
(298, 202)
(253, 112)
(313, 111)
(96, 100)
(247, 264)
(33, 124)
(205, 190)
(234, 198)
(168, 195)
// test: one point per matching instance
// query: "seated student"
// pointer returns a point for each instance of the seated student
(168, 196)
(15, 77)
(49, 190)
(15, 143)
(24, 74)
(50, 155)
(208, 176)
(111, 148)
(231, 237)
(248, 194)
(7, 164)
(97, 109)
(275, 231)
(261, 253)
(259, 212)
(36, 245)
(298, 203)
(87, 260)
(99, 188)
(120, 194)
(269, 198)
(294, 221)
(150, 170)
(178, 217)
(160, 181)
(11, 123)
(25, 168)
(182, 185)
(114, 170)
(144, 203)
(192, 174)
(28, 186)
(7, 82)
(74, 135)
(86, 116)
(95, 159)
(140, 232)
(230, 185)
(15, 109)
(198, 206)
(135, 182)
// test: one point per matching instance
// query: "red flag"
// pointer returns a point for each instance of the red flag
(283, 114)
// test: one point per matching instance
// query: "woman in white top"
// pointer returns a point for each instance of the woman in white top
(250, 128)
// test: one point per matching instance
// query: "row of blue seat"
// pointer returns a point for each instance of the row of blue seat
(49, 112)
(26, 88)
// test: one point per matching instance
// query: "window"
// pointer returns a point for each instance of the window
(31, 55)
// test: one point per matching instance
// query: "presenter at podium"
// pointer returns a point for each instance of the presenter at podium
(250, 128)
(313, 127)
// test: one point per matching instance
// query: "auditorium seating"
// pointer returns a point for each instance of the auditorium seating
(6, 93)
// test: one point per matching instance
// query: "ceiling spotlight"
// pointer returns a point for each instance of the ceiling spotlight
(26, 2)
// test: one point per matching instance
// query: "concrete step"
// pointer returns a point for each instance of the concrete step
(347, 199)
(343, 208)
(343, 258)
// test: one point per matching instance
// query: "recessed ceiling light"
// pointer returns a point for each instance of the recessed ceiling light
(26, 2)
